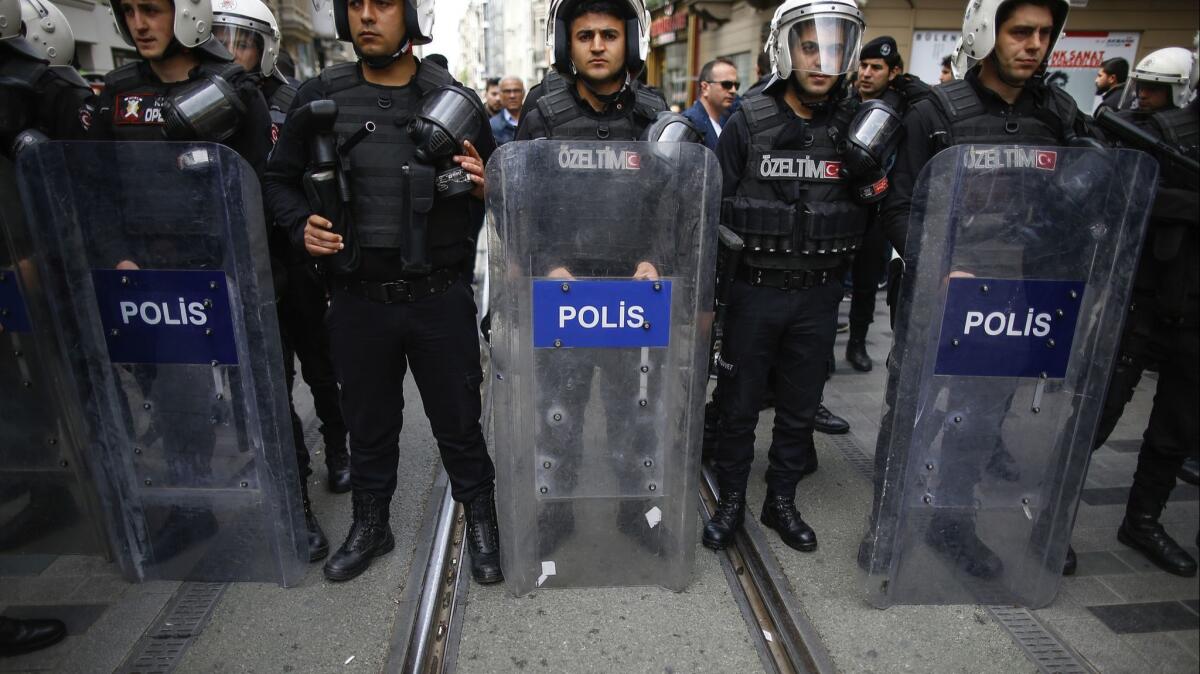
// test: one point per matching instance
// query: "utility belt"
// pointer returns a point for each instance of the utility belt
(404, 290)
(787, 279)
(812, 228)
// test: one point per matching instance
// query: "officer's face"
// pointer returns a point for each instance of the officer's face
(512, 94)
(1152, 96)
(377, 26)
(873, 77)
(243, 44)
(151, 23)
(1022, 41)
(598, 46)
(813, 53)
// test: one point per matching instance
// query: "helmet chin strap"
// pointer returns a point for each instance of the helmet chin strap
(818, 107)
(380, 62)
(605, 99)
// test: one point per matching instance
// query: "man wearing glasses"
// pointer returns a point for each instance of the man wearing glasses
(718, 90)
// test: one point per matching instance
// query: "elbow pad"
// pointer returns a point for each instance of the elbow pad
(208, 109)
(870, 149)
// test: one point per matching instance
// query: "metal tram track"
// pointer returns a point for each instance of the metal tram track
(429, 624)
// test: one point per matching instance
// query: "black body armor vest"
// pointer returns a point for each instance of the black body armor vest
(279, 100)
(792, 207)
(138, 102)
(29, 97)
(566, 121)
(387, 183)
(968, 121)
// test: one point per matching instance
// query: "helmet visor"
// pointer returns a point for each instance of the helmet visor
(246, 45)
(824, 44)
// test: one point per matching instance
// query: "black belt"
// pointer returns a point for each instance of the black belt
(404, 290)
(786, 279)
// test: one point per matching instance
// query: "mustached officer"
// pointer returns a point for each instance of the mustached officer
(41, 95)
(185, 85)
(592, 93)
(378, 171)
(249, 31)
(797, 181)
(1001, 99)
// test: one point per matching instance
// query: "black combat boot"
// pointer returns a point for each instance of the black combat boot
(318, 545)
(1071, 563)
(829, 423)
(1189, 472)
(779, 513)
(25, 636)
(726, 521)
(483, 538)
(956, 540)
(369, 537)
(1141, 531)
(856, 354)
(337, 463)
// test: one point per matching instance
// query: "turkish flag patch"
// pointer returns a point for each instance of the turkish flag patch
(1046, 160)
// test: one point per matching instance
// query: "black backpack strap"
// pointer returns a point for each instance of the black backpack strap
(1058, 111)
(338, 77)
(648, 103)
(432, 76)
(556, 105)
(122, 79)
(763, 120)
(954, 101)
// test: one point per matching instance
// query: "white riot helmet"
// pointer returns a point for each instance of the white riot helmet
(10, 29)
(48, 31)
(1171, 67)
(637, 34)
(237, 20)
(418, 21)
(193, 23)
(979, 30)
(826, 34)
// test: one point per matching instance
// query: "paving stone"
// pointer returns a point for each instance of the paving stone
(24, 565)
(82, 565)
(1088, 591)
(1162, 652)
(1101, 564)
(1156, 586)
(1159, 616)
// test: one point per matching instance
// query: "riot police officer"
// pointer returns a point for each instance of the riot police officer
(249, 31)
(185, 86)
(39, 90)
(802, 218)
(592, 93)
(1164, 310)
(1003, 100)
(399, 256)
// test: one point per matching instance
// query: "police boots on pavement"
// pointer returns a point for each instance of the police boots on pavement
(41, 95)
(399, 248)
(184, 86)
(249, 31)
(796, 185)
(592, 93)
(1161, 329)
(1001, 100)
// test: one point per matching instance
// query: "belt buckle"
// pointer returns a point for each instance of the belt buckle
(787, 279)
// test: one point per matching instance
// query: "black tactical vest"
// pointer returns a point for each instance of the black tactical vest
(1179, 127)
(19, 76)
(793, 207)
(279, 100)
(968, 121)
(387, 184)
(138, 102)
(565, 120)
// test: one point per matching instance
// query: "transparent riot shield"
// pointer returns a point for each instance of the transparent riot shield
(155, 261)
(1020, 262)
(47, 503)
(597, 378)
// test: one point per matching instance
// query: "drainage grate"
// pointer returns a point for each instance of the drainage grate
(161, 648)
(1043, 647)
(848, 446)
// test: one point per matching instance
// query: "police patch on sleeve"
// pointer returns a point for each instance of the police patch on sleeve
(139, 109)
(795, 165)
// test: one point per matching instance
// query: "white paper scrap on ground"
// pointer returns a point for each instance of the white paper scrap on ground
(547, 571)
(767, 635)
(653, 516)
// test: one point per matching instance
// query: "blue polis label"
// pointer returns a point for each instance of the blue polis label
(1008, 328)
(158, 316)
(601, 314)
(14, 317)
